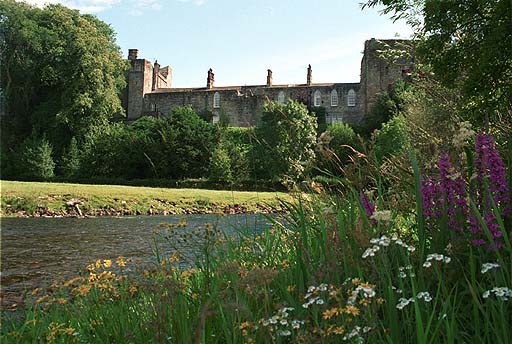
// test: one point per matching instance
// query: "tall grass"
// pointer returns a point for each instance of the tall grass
(323, 273)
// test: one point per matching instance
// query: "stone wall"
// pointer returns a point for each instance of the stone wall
(243, 105)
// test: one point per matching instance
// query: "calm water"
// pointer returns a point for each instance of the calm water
(36, 251)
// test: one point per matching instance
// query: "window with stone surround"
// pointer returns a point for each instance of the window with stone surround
(280, 97)
(317, 98)
(351, 98)
(334, 98)
(216, 100)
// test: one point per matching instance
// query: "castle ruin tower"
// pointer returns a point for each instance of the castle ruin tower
(210, 80)
(310, 76)
(139, 82)
(378, 73)
(269, 78)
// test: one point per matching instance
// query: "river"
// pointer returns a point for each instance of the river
(37, 251)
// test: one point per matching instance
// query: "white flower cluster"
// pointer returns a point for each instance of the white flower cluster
(381, 216)
(311, 296)
(366, 290)
(384, 241)
(502, 293)
(398, 291)
(438, 257)
(402, 270)
(461, 137)
(281, 324)
(356, 333)
(489, 266)
(425, 295)
(402, 302)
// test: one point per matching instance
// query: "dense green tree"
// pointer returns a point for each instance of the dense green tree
(220, 164)
(70, 161)
(286, 138)
(61, 72)
(187, 142)
(35, 160)
(335, 146)
(392, 139)
(468, 46)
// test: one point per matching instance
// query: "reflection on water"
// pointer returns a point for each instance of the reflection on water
(36, 251)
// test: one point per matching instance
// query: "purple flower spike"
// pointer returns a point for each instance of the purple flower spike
(368, 206)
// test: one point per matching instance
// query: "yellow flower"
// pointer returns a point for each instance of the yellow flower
(61, 300)
(246, 324)
(107, 263)
(98, 264)
(188, 273)
(83, 289)
(380, 300)
(35, 291)
(352, 310)
(72, 281)
(329, 313)
(42, 298)
(290, 288)
(133, 289)
(356, 281)
(69, 330)
(120, 261)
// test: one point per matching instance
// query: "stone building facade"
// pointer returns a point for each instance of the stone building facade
(150, 92)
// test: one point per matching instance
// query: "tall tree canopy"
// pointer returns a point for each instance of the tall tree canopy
(468, 45)
(61, 72)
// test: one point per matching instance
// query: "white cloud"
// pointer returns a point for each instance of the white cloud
(195, 2)
(86, 6)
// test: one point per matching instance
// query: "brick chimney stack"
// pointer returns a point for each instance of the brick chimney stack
(133, 54)
(310, 75)
(210, 80)
(269, 78)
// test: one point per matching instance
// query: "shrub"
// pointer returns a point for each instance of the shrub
(35, 159)
(393, 138)
(333, 144)
(286, 137)
(70, 162)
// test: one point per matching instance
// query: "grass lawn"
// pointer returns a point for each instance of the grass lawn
(50, 198)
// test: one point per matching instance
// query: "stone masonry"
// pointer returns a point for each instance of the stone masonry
(150, 92)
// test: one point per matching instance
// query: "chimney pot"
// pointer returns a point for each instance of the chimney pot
(133, 54)
(269, 78)
(211, 79)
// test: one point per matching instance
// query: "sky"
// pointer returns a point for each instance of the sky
(240, 40)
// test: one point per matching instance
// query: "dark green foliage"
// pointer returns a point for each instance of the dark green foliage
(389, 104)
(467, 45)
(70, 162)
(220, 165)
(392, 139)
(61, 72)
(286, 137)
(34, 160)
(336, 145)
(175, 147)
(187, 142)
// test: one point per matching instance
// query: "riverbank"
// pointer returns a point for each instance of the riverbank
(35, 199)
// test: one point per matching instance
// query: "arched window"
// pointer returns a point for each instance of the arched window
(216, 100)
(317, 98)
(334, 98)
(280, 97)
(351, 98)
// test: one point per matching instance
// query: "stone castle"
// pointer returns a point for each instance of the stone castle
(150, 92)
